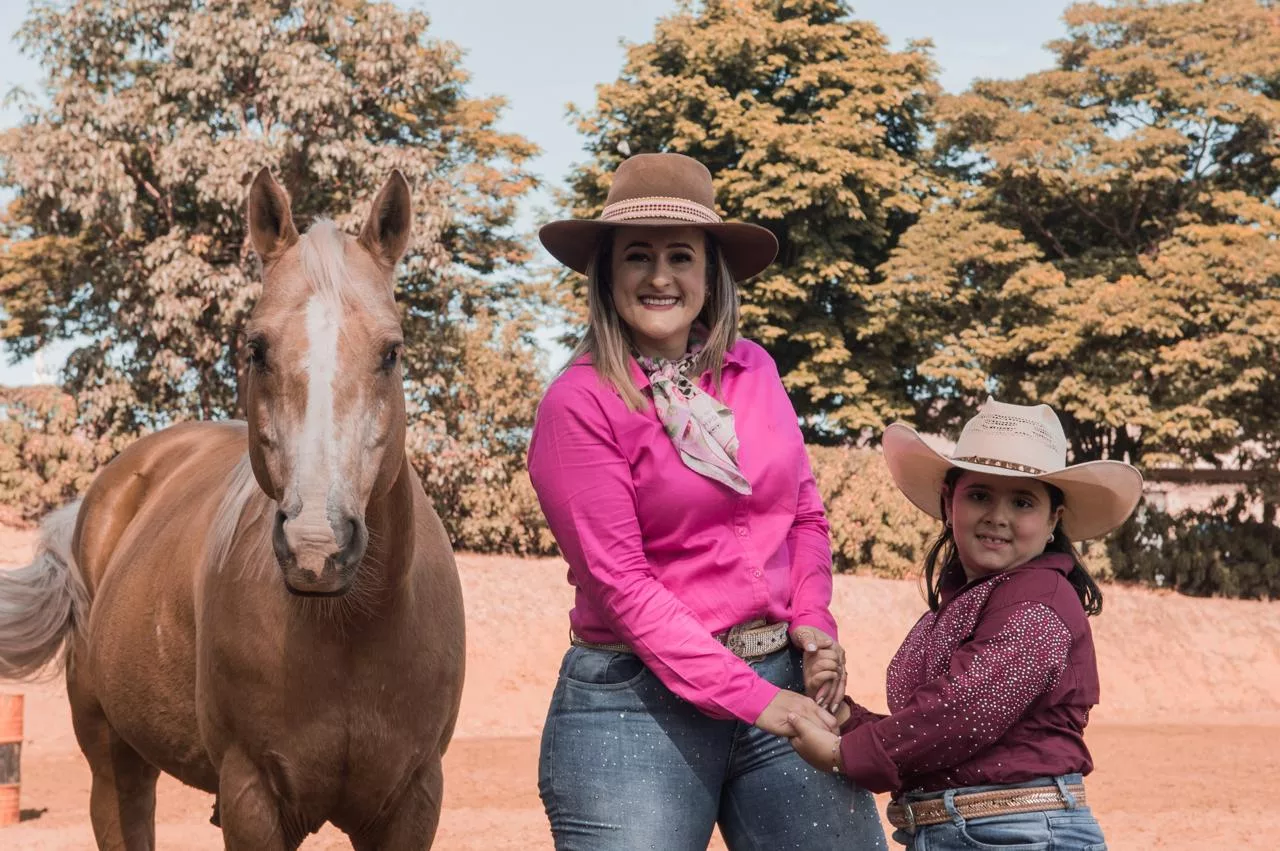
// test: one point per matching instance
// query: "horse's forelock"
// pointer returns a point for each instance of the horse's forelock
(324, 262)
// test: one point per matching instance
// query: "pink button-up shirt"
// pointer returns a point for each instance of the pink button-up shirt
(661, 557)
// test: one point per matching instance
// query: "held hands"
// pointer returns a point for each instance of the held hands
(777, 717)
(824, 671)
(816, 745)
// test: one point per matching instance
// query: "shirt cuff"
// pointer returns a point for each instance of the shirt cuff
(866, 762)
(755, 700)
(821, 620)
(858, 715)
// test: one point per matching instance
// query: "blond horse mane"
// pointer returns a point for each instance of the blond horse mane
(242, 487)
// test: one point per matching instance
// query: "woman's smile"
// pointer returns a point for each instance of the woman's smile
(659, 286)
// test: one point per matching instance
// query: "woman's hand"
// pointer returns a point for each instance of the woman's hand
(786, 705)
(817, 746)
(825, 675)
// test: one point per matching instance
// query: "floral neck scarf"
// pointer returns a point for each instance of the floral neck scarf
(700, 427)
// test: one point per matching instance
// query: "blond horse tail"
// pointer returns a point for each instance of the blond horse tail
(41, 604)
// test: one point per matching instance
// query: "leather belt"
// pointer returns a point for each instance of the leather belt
(751, 640)
(1001, 802)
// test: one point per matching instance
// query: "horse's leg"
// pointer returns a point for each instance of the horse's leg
(249, 811)
(411, 825)
(122, 804)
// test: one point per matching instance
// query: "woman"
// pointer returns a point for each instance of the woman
(990, 692)
(670, 466)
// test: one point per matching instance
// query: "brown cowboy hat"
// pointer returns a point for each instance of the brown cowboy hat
(662, 190)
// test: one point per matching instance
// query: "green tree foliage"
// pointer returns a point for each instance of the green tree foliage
(46, 458)
(874, 528)
(1099, 236)
(128, 235)
(1223, 551)
(811, 127)
(1102, 238)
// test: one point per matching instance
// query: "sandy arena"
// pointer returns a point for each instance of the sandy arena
(1186, 741)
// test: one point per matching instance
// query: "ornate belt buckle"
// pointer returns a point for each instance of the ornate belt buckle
(733, 640)
(908, 815)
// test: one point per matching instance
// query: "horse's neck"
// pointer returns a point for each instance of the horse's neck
(391, 520)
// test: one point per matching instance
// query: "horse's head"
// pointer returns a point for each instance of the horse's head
(323, 387)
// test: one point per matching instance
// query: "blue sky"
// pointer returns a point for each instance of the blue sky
(541, 56)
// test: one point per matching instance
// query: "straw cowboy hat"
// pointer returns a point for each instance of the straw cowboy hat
(1020, 441)
(662, 190)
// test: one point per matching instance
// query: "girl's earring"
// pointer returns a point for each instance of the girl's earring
(1050, 541)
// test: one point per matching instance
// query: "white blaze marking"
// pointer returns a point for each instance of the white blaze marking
(316, 452)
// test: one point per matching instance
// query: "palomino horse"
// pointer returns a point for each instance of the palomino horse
(269, 611)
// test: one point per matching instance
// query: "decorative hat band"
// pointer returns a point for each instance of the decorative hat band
(678, 209)
(996, 462)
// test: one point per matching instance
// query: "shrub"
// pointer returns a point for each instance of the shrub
(46, 458)
(874, 528)
(1224, 551)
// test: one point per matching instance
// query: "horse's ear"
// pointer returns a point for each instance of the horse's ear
(386, 232)
(270, 217)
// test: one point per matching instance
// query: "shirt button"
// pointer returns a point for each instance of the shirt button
(742, 531)
(757, 574)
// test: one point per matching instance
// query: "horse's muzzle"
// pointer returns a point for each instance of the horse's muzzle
(313, 576)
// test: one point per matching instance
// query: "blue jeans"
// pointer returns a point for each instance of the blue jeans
(626, 764)
(1073, 829)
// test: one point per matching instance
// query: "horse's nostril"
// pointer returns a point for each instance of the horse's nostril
(357, 538)
(279, 543)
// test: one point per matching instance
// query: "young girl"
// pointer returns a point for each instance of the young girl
(990, 693)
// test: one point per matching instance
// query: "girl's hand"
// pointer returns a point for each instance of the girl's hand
(816, 745)
(825, 675)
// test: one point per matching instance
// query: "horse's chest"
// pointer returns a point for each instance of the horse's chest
(343, 703)
(332, 722)
(326, 750)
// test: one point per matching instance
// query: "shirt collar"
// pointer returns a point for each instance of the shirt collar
(731, 358)
(1063, 563)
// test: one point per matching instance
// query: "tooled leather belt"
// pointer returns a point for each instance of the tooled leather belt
(1002, 802)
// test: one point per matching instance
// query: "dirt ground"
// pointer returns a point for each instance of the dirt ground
(1186, 741)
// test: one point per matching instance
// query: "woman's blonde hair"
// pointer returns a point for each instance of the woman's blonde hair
(608, 341)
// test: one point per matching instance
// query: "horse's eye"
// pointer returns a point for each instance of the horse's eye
(257, 354)
(391, 357)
